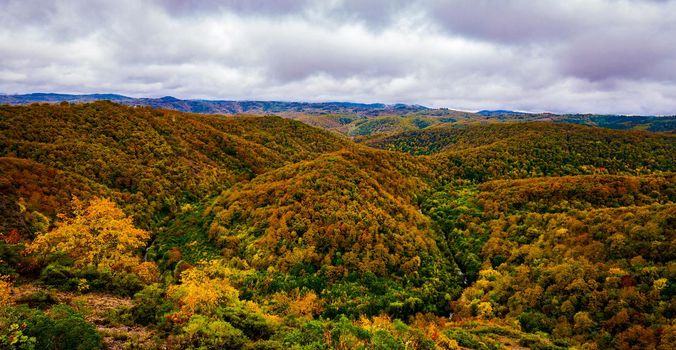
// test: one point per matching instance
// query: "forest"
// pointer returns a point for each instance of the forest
(132, 227)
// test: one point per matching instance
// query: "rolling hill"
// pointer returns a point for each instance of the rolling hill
(268, 233)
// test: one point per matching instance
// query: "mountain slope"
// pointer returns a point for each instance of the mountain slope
(517, 150)
(157, 158)
(268, 233)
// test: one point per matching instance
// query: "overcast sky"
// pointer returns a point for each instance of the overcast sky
(601, 56)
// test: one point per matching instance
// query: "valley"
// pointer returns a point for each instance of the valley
(255, 231)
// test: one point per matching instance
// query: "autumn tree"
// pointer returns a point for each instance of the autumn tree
(99, 235)
(5, 290)
(204, 288)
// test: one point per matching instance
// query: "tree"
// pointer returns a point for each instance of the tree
(5, 290)
(204, 288)
(99, 236)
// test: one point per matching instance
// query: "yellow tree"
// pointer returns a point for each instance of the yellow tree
(5, 290)
(100, 235)
(203, 288)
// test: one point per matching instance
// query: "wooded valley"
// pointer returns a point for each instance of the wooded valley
(139, 228)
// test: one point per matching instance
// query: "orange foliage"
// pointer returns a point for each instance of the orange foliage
(5, 290)
(12, 237)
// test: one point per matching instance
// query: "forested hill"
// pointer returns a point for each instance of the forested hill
(259, 232)
(150, 160)
(357, 119)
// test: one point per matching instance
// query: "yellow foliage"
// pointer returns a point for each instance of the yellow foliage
(147, 271)
(489, 274)
(5, 290)
(293, 303)
(382, 322)
(203, 288)
(659, 284)
(100, 235)
(484, 309)
(582, 321)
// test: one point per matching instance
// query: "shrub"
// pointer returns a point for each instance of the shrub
(252, 324)
(150, 305)
(60, 276)
(39, 299)
(62, 328)
(203, 333)
(65, 329)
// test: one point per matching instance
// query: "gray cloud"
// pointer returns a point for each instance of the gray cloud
(604, 56)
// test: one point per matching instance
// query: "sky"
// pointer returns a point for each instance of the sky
(587, 56)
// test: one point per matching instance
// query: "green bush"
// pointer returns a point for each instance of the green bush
(39, 299)
(252, 324)
(121, 283)
(10, 256)
(63, 328)
(532, 322)
(60, 276)
(150, 305)
(309, 336)
(204, 333)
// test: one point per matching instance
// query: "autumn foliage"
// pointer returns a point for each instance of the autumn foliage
(245, 232)
(99, 235)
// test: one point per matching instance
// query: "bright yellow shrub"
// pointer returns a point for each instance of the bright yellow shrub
(204, 288)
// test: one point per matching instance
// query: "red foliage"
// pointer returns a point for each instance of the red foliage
(12, 237)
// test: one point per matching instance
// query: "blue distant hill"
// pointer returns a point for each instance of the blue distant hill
(499, 112)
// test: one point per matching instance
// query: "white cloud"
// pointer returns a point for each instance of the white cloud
(611, 56)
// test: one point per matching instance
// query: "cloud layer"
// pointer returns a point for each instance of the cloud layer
(601, 56)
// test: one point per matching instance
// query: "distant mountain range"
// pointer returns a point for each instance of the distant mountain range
(356, 118)
(221, 106)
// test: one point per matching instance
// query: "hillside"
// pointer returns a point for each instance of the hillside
(259, 232)
(357, 119)
(584, 258)
(151, 161)
(518, 150)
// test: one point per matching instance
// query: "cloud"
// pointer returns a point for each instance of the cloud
(602, 56)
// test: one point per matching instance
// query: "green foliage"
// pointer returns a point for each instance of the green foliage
(339, 222)
(39, 299)
(61, 328)
(57, 275)
(568, 258)
(518, 150)
(203, 333)
(150, 305)
(253, 325)
(10, 257)
(12, 337)
(69, 278)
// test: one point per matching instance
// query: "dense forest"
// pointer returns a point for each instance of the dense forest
(141, 228)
